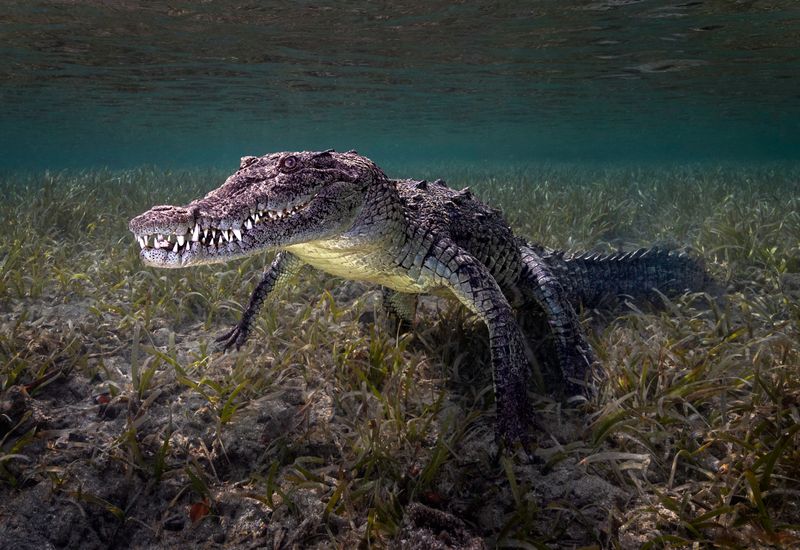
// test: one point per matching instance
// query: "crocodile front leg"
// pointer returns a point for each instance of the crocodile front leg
(473, 285)
(401, 307)
(283, 268)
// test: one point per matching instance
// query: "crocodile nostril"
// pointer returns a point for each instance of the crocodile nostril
(162, 208)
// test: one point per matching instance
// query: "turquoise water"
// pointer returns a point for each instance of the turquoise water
(87, 83)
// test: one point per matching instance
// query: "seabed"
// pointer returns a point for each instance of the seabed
(121, 426)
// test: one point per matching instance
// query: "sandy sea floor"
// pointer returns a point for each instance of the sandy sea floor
(121, 426)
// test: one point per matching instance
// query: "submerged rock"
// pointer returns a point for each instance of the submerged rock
(426, 528)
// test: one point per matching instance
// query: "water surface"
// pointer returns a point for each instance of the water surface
(125, 82)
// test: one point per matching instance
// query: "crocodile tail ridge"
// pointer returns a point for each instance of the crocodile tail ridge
(591, 278)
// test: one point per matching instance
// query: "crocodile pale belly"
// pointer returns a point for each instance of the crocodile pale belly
(359, 264)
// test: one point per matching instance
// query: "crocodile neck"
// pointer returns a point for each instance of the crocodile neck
(365, 251)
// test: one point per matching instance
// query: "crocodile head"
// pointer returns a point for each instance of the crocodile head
(271, 202)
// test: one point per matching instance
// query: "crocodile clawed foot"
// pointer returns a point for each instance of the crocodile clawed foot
(507, 443)
(232, 339)
(513, 422)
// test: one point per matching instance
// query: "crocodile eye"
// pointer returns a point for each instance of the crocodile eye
(288, 164)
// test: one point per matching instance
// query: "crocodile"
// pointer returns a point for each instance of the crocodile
(340, 213)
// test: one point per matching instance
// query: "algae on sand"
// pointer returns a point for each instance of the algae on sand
(120, 426)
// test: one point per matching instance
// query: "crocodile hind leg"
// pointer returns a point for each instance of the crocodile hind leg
(283, 268)
(471, 282)
(401, 308)
(541, 287)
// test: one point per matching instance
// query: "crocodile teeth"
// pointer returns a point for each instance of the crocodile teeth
(179, 243)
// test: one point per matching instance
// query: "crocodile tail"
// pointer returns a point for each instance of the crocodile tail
(591, 279)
